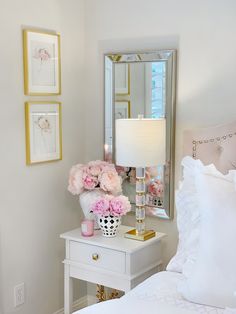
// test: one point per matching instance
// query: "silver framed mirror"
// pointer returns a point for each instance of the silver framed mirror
(143, 83)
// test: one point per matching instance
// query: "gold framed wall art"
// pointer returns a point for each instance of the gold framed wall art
(42, 64)
(122, 109)
(43, 132)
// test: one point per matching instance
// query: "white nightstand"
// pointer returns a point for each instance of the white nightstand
(118, 263)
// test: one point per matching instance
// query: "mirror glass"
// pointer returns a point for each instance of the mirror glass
(143, 84)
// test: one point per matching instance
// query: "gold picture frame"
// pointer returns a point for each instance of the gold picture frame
(42, 63)
(122, 109)
(43, 129)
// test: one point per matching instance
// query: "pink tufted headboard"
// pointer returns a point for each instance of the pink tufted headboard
(215, 145)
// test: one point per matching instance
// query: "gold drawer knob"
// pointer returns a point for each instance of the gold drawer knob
(95, 256)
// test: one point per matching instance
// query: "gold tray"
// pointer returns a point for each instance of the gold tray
(148, 234)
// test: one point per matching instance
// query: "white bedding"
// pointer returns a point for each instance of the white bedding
(158, 295)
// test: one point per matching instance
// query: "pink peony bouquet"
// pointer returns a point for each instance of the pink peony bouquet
(109, 205)
(95, 174)
(156, 188)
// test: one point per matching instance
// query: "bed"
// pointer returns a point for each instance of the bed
(159, 293)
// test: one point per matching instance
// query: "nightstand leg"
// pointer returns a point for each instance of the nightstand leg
(68, 290)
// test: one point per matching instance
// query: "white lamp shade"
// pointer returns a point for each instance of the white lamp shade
(140, 142)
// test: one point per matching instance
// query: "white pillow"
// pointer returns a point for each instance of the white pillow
(229, 311)
(212, 278)
(187, 216)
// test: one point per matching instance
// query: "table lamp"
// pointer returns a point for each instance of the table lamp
(140, 143)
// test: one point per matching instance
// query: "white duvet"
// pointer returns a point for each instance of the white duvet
(156, 295)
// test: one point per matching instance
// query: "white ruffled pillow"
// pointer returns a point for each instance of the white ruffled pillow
(211, 278)
(187, 216)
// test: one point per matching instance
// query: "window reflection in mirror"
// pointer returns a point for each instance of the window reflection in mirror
(140, 89)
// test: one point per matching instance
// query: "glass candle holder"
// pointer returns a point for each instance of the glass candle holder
(87, 227)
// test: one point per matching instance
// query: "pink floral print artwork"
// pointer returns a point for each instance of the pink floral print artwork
(42, 54)
(43, 124)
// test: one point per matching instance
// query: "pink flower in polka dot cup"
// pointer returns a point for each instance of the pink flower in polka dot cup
(109, 209)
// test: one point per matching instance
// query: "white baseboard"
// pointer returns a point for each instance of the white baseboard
(80, 303)
(91, 300)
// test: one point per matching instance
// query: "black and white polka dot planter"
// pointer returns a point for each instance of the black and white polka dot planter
(109, 225)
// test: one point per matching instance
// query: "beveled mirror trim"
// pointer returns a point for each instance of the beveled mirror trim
(169, 56)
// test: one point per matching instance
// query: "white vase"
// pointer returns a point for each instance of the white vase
(109, 225)
(86, 200)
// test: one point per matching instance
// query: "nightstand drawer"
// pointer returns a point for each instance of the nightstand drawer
(97, 256)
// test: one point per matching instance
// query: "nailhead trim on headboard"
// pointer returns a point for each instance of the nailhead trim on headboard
(211, 140)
